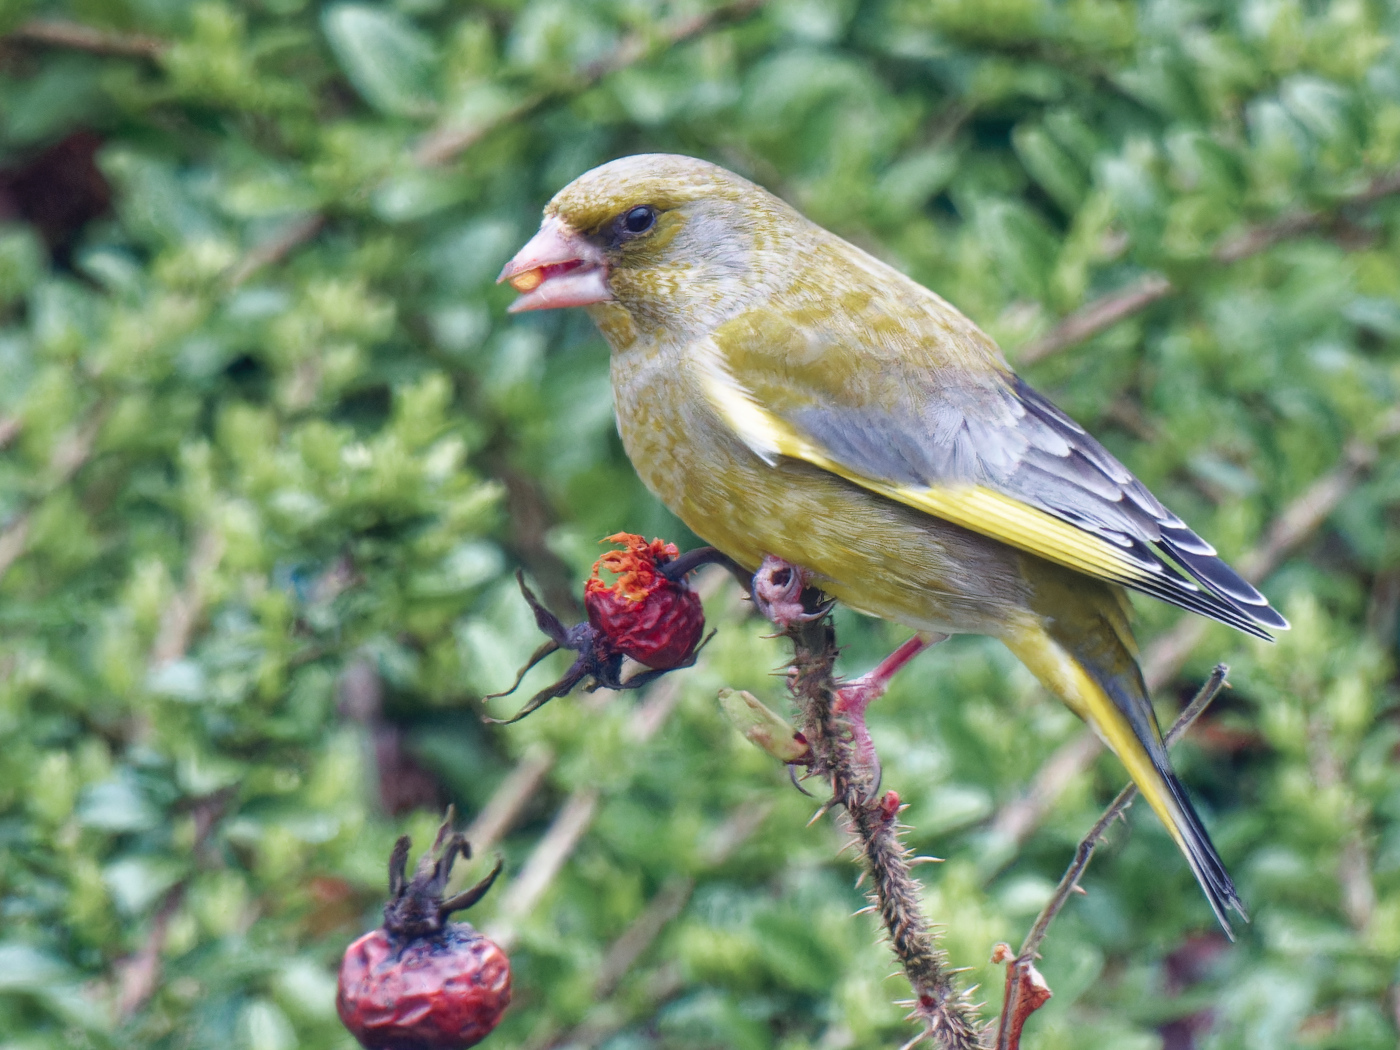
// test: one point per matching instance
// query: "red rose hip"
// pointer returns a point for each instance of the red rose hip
(420, 982)
(643, 614)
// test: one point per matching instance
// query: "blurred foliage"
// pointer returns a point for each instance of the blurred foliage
(273, 450)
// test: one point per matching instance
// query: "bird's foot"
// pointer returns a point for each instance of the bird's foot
(853, 698)
(777, 591)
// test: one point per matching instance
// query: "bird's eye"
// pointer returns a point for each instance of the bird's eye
(639, 220)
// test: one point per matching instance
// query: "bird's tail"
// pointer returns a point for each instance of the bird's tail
(1100, 681)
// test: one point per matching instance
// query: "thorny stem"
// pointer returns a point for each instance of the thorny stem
(949, 1018)
(1011, 1008)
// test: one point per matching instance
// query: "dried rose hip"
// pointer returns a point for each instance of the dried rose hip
(648, 613)
(420, 982)
(643, 614)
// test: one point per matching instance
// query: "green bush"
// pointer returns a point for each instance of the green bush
(273, 450)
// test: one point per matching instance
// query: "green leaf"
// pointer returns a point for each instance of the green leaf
(391, 63)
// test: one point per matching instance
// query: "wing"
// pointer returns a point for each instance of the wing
(974, 446)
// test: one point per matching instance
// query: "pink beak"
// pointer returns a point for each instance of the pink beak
(557, 267)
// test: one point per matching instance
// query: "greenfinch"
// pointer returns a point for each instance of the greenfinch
(790, 396)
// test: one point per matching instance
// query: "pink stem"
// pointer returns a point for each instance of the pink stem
(854, 697)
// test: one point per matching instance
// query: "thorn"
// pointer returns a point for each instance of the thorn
(1080, 890)
(915, 861)
(915, 1041)
(859, 880)
(826, 808)
(867, 910)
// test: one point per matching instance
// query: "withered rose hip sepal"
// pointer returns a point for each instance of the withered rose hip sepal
(420, 982)
(649, 613)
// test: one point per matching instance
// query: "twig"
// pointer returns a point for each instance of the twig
(69, 455)
(276, 248)
(1254, 239)
(544, 864)
(949, 1018)
(1358, 896)
(57, 32)
(13, 540)
(446, 142)
(1096, 317)
(504, 807)
(1010, 1012)
(177, 623)
(669, 902)
(608, 1018)
(672, 898)
(1107, 311)
(1161, 660)
(139, 974)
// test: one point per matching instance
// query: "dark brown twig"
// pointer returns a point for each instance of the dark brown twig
(947, 1015)
(444, 143)
(1098, 316)
(1105, 312)
(58, 32)
(138, 975)
(1018, 981)
(276, 248)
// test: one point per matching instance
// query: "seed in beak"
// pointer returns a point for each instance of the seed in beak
(527, 281)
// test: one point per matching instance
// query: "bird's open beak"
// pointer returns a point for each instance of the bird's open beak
(558, 267)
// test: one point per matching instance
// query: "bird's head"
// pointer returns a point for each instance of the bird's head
(672, 241)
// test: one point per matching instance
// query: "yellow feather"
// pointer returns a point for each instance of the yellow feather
(1087, 699)
(974, 507)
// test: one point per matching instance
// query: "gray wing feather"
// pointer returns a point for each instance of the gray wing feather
(1011, 439)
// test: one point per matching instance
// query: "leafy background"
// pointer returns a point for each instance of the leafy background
(272, 450)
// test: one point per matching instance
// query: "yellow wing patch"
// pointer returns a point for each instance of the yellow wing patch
(974, 507)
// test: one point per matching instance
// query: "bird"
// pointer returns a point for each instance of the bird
(792, 398)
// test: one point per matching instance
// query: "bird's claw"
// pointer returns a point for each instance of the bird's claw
(777, 592)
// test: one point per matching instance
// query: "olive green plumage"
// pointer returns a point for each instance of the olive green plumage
(785, 393)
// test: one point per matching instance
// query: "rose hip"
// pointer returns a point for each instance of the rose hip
(643, 614)
(649, 613)
(420, 982)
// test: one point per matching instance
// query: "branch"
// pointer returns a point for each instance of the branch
(508, 801)
(945, 1011)
(181, 616)
(57, 32)
(1098, 316)
(69, 455)
(1020, 982)
(1161, 660)
(668, 903)
(673, 896)
(138, 975)
(276, 248)
(544, 864)
(1107, 311)
(447, 141)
